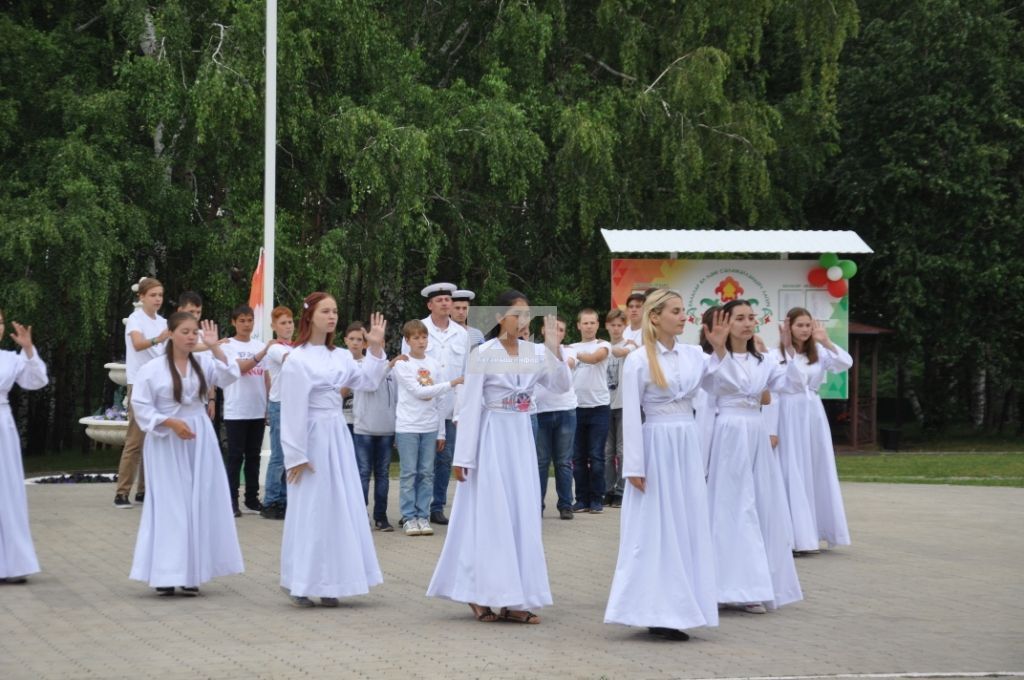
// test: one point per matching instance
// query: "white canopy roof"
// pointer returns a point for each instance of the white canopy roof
(732, 241)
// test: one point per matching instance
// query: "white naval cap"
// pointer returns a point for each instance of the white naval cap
(463, 295)
(435, 289)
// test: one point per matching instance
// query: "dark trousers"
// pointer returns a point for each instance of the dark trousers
(588, 457)
(245, 439)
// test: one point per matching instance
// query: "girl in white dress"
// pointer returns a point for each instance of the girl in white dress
(327, 551)
(750, 523)
(805, 440)
(493, 555)
(27, 370)
(187, 532)
(665, 574)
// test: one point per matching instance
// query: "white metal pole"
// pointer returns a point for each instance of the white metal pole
(269, 167)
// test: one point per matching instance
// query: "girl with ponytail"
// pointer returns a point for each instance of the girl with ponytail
(187, 532)
(665, 574)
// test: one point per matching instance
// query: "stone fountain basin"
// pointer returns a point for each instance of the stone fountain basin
(111, 432)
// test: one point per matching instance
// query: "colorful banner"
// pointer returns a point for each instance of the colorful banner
(256, 300)
(772, 287)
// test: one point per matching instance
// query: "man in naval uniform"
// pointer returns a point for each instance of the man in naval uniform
(460, 315)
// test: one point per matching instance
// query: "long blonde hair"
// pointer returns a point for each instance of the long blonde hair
(655, 302)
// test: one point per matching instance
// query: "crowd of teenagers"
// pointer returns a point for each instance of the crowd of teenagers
(719, 455)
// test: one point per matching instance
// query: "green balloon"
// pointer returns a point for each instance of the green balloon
(828, 260)
(849, 268)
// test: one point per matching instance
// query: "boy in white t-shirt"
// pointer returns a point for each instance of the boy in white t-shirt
(554, 434)
(615, 324)
(245, 410)
(355, 343)
(419, 427)
(590, 382)
(634, 316)
(275, 491)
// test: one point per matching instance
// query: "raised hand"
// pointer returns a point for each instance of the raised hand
(210, 331)
(378, 325)
(785, 335)
(550, 331)
(820, 333)
(22, 335)
(718, 333)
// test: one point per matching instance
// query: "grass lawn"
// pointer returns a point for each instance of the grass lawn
(978, 469)
(97, 460)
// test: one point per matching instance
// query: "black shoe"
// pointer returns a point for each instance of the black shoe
(165, 592)
(609, 498)
(384, 525)
(14, 580)
(669, 633)
(238, 513)
(273, 511)
(140, 497)
(189, 592)
(616, 501)
(438, 517)
(253, 506)
(565, 513)
(121, 501)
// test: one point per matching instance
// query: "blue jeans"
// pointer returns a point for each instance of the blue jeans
(588, 459)
(275, 490)
(555, 433)
(443, 468)
(373, 456)
(416, 476)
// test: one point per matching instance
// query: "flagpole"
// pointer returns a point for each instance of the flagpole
(270, 166)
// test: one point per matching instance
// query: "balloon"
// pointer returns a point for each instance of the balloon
(828, 260)
(837, 289)
(817, 277)
(834, 273)
(849, 268)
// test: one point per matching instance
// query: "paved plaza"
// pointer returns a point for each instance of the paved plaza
(934, 583)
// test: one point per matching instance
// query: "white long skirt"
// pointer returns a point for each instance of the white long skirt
(187, 532)
(327, 549)
(809, 470)
(493, 554)
(17, 554)
(750, 524)
(665, 574)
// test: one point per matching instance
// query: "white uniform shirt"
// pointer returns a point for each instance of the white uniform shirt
(273, 363)
(150, 328)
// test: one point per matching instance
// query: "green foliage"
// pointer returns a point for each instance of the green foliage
(483, 142)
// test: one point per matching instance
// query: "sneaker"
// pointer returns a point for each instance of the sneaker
(383, 525)
(140, 497)
(238, 513)
(328, 602)
(581, 507)
(565, 513)
(596, 508)
(269, 511)
(121, 501)
(755, 608)
(189, 591)
(253, 507)
(300, 601)
(425, 528)
(411, 527)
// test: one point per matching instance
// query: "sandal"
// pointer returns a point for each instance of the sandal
(483, 614)
(517, 616)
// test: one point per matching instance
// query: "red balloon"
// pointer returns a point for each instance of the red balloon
(818, 277)
(837, 289)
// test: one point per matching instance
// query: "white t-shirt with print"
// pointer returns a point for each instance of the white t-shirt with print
(246, 398)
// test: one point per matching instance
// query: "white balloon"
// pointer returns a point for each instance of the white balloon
(834, 273)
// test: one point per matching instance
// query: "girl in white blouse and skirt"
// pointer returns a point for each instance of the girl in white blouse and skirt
(327, 550)
(493, 555)
(750, 523)
(27, 370)
(187, 531)
(805, 440)
(665, 574)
